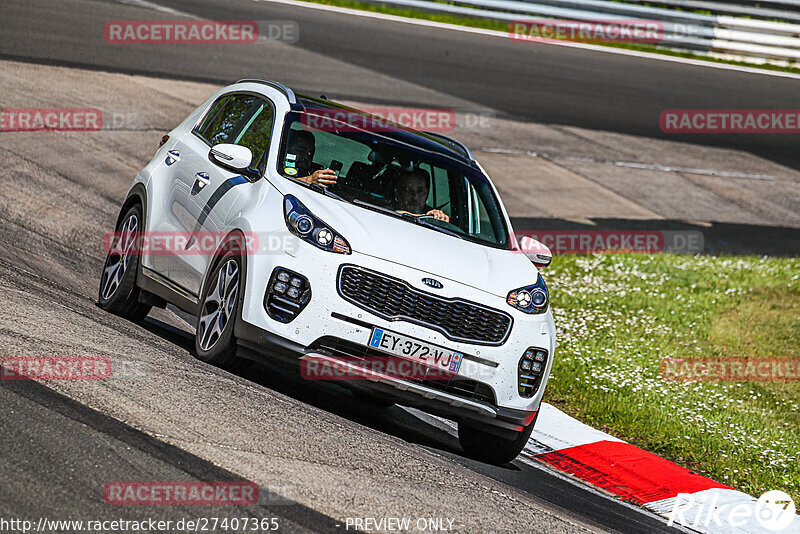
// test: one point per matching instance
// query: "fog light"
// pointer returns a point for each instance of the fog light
(288, 293)
(531, 371)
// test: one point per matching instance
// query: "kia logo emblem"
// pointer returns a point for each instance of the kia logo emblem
(433, 283)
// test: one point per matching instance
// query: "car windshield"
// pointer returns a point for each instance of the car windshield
(378, 170)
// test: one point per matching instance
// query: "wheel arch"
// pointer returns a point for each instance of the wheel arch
(137, 195)
(236, 233)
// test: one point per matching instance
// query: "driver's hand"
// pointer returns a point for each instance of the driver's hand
(323, 177)
(439, 215)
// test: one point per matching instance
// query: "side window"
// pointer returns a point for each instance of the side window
(227, 115)
(257, 133)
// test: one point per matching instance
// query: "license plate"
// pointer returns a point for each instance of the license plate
(415, 350)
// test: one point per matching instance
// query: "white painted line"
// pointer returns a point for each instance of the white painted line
(556, 430)
(707, 511)
(630, 164)
(150, 5)
(504, 35)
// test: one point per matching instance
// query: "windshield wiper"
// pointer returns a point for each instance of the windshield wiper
(422, 222)
(324, 190)
(373, 207)
(417, 219)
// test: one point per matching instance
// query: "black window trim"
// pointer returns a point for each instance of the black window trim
(196, 129)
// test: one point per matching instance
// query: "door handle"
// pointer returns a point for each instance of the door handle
(172, 157)
(200, 181)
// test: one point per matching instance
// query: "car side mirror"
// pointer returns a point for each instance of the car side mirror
(536, 251)
(541, 259)
(234, 157)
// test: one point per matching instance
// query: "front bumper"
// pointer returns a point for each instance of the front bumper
(254, 343)
(329, 316)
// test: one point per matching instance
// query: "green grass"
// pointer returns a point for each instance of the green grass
(619, 315)
(489, 24)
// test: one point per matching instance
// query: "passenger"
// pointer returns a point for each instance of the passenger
(411, 192)
(303, 145)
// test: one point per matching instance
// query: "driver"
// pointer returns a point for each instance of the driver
(303, 145)
(411, 192)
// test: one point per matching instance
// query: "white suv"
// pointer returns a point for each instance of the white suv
(291, 230)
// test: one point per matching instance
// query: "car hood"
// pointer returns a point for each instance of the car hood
(433, 253)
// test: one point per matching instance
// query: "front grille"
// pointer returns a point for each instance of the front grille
(458, 386)
(394, 299)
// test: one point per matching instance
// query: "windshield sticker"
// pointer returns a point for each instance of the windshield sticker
(291, 171)
(290, 164)
(291, 157)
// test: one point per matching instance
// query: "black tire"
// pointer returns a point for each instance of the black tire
(371, 399)
(220, 347)
(118, 292)
(491, 448)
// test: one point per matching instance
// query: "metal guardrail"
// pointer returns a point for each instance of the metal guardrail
(784, 13)
(745, 39)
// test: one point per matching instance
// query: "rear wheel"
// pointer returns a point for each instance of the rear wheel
(118, 292)
(214, 342)
(491, 448)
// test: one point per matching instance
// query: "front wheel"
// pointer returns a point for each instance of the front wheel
(118, 292)
(491, 448)
(214, 342)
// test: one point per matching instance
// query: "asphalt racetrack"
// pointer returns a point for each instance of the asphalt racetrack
(321, 455)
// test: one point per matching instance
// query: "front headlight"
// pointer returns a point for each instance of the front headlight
(310, 229)
(530, 299)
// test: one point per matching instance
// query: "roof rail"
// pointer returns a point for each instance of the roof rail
(275, 85)
(467, 152)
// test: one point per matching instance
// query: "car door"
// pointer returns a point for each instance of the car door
(205, 193)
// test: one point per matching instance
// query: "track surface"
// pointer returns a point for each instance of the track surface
(93, 449)
(353, 57)
(184, 420)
